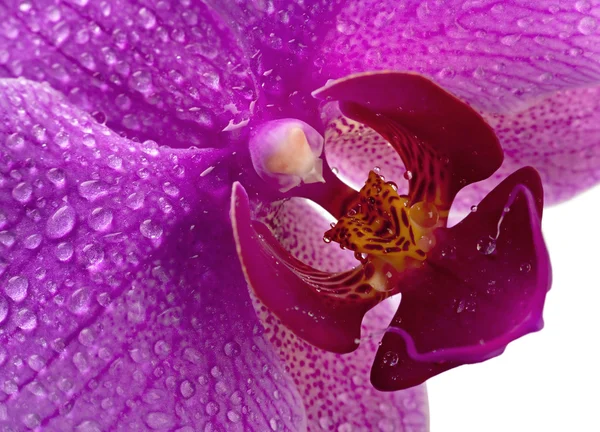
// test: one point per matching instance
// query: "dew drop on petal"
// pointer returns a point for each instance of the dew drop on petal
(187, 389)
(16, 288)
(26, 320)
(22, 192)
(212, 408)
(64, 251)
(61, 222)
(3, 310)
(486, 245)
(93, 189)
(15, 141)
(150, 229)
(36, 362)
(159, 420)
(33, 241)
(56, 176)
(100, 219)
(232, 349)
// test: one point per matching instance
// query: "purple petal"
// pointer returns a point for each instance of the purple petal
(122, 306)
(168, 71)
(484, 285)
(501, 57)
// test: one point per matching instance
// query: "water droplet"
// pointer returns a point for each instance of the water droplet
(212, 408)
(159, 420)
(15, 141)
(150, 147)
(61, 139)
(64, 251)
(486, 245)
(408, 175)
(391, 358)
(424, 214)
(86, 337)
(32, 420)
(525, 268)
(141, 81)
(33, 241)
(80, 362)
(187, 389)
(150, 229)
(3, 310)
(22, 192)
(93, 189)
(88, 426)
(79, 301)
(61, 222)
(135, 200)
(170, 189)
(162, 348)
(587, 25)
(583, 6)
(147, 18)
(114, 161)
(233, 417)
(232, 349)
(100, 219)
(16, 288)
(36, 362)
(7, 238)
(273, 424)
(26, 320)
(510, 40)
(56, 176)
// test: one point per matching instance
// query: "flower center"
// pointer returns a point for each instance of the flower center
(381, 225)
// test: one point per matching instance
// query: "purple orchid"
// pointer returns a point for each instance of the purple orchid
(157, 158)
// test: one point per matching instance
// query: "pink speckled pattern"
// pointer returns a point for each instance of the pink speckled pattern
(116, 311)
(505, 58)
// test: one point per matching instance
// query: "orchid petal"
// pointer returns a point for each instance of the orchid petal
(483, 286)
(119, 309)
(168, 72)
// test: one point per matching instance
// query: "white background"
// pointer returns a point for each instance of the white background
(547, 381)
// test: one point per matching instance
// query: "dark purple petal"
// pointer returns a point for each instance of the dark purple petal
(316, 305)
(172, 72)
(444, 144)
(122, 306)
(482, 286)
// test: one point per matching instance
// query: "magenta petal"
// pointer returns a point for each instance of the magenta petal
(122, 306)
(483, 286)
(166, 71)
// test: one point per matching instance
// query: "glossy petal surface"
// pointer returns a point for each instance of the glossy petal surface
(118, 310)
(169, 72)
(500, 57)
(443, 143)
(482, 286)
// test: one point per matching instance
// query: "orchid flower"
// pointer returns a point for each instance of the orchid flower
(159, 158)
